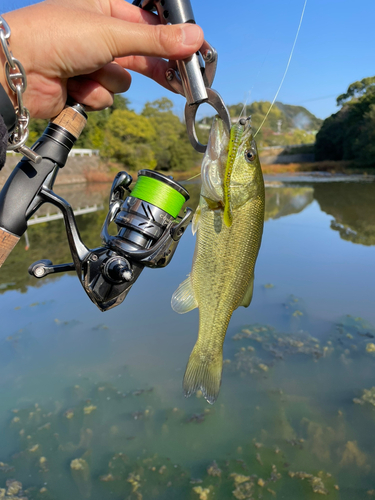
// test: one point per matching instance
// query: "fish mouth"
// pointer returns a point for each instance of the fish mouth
(247, 131)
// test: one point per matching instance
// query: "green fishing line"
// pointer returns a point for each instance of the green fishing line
(159, 194)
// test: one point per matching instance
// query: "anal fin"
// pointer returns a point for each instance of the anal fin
(248, 294)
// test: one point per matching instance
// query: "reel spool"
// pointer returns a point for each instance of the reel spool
(154, 203)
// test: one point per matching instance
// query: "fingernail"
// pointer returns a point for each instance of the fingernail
(190, 34)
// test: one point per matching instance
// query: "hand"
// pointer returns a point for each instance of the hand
(82, 47)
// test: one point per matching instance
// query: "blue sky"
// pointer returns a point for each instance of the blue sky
(336, 47)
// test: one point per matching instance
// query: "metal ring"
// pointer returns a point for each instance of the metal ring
(14, 76)
(4, 26)
(19, 137)
(19, 93)
(216, 101)
(8, 54)
(18, 144)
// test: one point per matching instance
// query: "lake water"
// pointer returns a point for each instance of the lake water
(92, 405)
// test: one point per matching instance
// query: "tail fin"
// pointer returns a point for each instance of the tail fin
(204, 375)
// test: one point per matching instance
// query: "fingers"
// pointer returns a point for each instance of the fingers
(127, 12)
(96, 90)
(90, 93)
(152, 67)
(119, 9)
(113, 77)
(170, 41)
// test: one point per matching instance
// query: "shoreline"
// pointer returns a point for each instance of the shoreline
(84, 170)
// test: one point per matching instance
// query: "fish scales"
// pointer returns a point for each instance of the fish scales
(225, 255)
(223, 288)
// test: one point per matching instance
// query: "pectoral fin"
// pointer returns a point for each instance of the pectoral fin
(196, 220)
(212, 204)
(183, 299)
(248, 294)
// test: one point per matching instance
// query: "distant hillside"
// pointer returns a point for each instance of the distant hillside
(299, 117)
(285, 124)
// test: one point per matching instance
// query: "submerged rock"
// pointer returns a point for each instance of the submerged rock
(368, 396)
(244, 487)
(197, 418)
(135, 481)
(89, 409)
(43, 463)
(239, 478)
(202, 492)
(213, 470)
(318, 486)
(274, 343)
(316, 482)
(13, 491)
(353, 455)
(81, 476)
(107, 478)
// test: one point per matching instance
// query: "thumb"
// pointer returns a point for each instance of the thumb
(167, 41)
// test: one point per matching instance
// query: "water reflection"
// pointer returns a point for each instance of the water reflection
(351, 204)
(353, 207)
(48, 239)
(284, 201)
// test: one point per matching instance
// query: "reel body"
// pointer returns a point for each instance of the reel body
(147, 236)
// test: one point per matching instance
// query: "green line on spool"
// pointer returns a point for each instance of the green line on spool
(159, 194)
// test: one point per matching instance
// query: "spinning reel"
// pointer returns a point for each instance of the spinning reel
(148, 232)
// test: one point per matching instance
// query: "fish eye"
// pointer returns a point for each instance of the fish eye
(250, 155)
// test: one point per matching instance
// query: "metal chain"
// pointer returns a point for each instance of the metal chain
(17, 82)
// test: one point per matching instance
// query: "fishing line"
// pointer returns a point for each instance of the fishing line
(194, 177)
(245, 104)
(255, 81)
(159, 194)
(286, 69)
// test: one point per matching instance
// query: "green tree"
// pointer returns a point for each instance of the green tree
(170, 143)
(345, 134)
(92, 136)
(127, 139)
(364, 146)
(36, 129)
(357, 89)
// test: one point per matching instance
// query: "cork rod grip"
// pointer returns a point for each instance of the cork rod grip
(71, 120)
(7, 242)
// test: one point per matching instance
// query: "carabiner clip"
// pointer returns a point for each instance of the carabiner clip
(216, 101)
(195, 86)
(193, 76)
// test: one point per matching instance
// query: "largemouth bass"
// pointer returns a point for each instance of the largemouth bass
(229, 226)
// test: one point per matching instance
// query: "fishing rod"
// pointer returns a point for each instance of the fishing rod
(149, 227)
